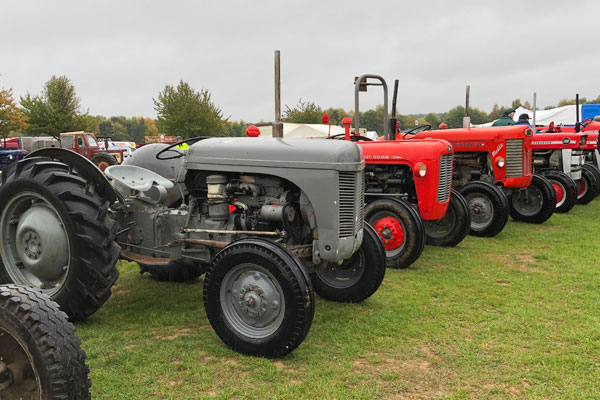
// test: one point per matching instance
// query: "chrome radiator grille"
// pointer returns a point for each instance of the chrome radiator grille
(352, 194)
(445, 178)
(514, 158)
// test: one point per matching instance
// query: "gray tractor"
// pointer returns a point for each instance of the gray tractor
(266, 220)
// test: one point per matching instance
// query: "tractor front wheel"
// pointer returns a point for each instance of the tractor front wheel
(356, 278)
(400, 228)
(450, 230)
(565, 188)
(488, 206)
(258, 298)
(588, 186)
(534, 204)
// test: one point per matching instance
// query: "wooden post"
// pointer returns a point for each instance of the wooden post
(277, 125)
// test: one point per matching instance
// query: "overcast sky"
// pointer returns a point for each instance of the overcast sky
(120, 54)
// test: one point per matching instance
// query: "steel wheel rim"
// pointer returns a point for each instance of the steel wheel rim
(34, 245)
(345, 275)
(582, 187)
(482, 210)
(19, 356)
(560, 190)
(252, 301)
(390, 235)
(440, 228)
(523, 204)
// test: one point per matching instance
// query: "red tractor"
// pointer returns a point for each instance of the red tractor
(560, 157)
(403, 180)
(492, 170)
(86, 144)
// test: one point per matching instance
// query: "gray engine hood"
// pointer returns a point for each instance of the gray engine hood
(277, 153)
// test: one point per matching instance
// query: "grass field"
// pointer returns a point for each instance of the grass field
(513, 316)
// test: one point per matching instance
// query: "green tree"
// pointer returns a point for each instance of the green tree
(516, 103)
(11, 118)
(336, 115)
(56, 110)
(305, 112)
(432, 119)
(182, 111)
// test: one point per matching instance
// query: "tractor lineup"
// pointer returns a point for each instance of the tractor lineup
(269, 222)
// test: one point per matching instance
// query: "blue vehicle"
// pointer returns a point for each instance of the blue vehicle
(10, 151)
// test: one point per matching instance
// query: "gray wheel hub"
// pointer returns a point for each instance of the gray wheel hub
(482, 210)
(252, 300)
(35, 246)
(529, 201)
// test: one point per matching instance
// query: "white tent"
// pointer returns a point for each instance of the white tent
(291, 130)
(565, 115)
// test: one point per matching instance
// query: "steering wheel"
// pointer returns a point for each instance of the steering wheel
(417, 129)
(179, 153)
(353, 138)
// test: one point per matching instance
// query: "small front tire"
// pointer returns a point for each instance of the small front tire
(454, 227)
(258, 298)
(358, 277)
(588, 186)
(488, 206)
(534, 204)
(565, 188)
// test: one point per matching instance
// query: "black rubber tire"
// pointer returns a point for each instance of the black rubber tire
(90, 231)
(593, 168)
(544, 193)
(414, 231)
(173, 271)
(498, 202)
(369, 261)
(295, 285)
(592, 185)
(569, 188)
(104, 160)
(33, 327)
(458, 217)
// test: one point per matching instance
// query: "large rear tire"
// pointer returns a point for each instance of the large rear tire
(258, 298)
(401, 229)
(565, 188)
(56, 235)
(40, 356)
(488, 206)
(534, 204)
(588, 186)
(453, 227)
(358, 277)
(103, 161)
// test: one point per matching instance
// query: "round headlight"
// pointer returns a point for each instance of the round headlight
(566, 140)
(420, 169)
(500, 162)
(10, 157)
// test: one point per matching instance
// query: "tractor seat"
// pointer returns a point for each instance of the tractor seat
(137, 178)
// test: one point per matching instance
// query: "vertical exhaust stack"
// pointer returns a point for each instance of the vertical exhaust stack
(534, 108)
(467, 118)
(577, 123)
(277, 125)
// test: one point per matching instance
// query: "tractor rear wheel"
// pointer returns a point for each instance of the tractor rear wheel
(400, 228)
(356, 278)
(488, 206)
(588, 186)
(565, 188)
(453, 227)
(104, 160)
(56, 235)
(534, 204)
(40, 356)
(258, 298)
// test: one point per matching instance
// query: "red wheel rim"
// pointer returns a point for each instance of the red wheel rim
(560, 193)
(581, 187)
(391, 233)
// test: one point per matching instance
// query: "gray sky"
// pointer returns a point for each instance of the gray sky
(120, 54)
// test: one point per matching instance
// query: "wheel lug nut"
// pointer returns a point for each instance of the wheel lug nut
(257, 277)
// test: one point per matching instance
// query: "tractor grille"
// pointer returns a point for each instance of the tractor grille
(445, 178)
(352, 194)
(514, 158)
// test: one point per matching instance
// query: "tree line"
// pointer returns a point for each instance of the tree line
(186, 112)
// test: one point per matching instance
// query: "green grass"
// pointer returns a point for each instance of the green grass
(513, 316)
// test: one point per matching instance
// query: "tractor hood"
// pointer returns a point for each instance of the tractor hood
(275, 153)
